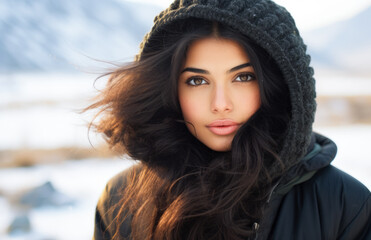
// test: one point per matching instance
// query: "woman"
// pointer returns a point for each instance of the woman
(218, 109)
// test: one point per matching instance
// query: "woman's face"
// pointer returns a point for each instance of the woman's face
(218, 91)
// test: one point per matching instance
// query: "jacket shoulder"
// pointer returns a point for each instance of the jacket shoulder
(331, 179)
(346, 198)
(339, 202)
(108, 205)
(333, 204)
(332, 185)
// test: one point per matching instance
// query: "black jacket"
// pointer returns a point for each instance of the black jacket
(313, 201)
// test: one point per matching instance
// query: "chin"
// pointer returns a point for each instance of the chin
(220, 148)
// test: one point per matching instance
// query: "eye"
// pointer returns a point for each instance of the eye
(196, 81)
(245, 77)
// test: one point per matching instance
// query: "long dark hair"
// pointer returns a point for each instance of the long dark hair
(184, 190)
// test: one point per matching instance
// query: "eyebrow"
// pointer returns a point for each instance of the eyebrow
(202, 71)
(239, 67)
(195, 70)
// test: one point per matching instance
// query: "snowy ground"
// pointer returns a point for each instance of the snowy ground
(83, 181)
(40, 111)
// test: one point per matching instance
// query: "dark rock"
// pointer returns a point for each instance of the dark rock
(20, 224)
(44, 195)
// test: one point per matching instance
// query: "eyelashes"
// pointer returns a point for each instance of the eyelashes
(196, 81)
(245, 77)
(241, 77)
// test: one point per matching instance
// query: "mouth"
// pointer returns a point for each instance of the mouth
(223, 127)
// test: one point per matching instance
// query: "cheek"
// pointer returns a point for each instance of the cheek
(255, 100)
(252, 102)
(191, 107)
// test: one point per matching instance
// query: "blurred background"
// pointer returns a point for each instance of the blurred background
(52, 170)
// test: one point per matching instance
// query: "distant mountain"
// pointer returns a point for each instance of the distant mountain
(344, 45)
(54, 35)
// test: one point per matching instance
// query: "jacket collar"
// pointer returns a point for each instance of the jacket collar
(320, 154)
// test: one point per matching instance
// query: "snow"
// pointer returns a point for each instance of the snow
(82, 180)
(42, 110)
(341, 84)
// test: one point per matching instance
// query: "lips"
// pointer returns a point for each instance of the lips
(223, 127)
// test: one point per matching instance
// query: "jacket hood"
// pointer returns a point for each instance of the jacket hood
(271, 27)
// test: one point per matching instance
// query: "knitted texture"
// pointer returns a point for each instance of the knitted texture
(272, 27)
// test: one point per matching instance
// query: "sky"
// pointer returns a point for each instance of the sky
(309, 14)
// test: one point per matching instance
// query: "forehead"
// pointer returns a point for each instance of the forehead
(215, 50)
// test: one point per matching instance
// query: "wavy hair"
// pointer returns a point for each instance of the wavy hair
(183, 189)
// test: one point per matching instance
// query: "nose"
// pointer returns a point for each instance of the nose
(221, 101)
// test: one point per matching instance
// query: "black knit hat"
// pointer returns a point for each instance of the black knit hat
(271, 27)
